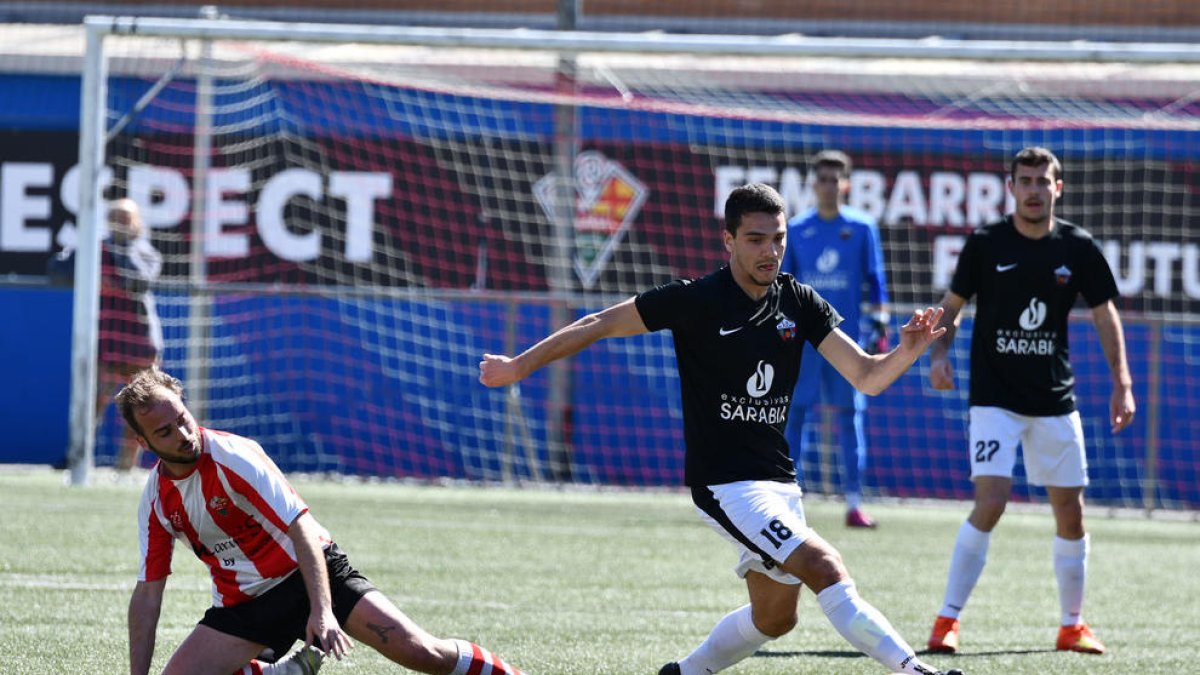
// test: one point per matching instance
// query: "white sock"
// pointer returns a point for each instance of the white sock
(733, 638)
(1070, 566)
(853, 500)
(970, 555)
(864, 627)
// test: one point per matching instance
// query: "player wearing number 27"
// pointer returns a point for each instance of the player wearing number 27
(1026, 272)
(739, 336)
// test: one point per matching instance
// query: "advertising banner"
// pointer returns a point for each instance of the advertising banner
(411, 214)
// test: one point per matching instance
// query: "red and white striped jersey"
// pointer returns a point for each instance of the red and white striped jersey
(233, 510)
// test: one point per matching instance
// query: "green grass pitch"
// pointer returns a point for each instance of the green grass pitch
(586, 582)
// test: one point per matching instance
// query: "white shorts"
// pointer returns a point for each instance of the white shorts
(764, 520)
(1053, 446)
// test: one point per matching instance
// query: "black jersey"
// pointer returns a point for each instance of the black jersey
(738, 363)
(1026, 288)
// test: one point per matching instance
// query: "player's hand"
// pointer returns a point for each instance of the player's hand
(496, 370)
(324, 633)
(921, 330)
(1123, 408)
(941, 374)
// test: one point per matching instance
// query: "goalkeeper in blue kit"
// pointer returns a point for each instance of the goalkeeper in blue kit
(836, 250)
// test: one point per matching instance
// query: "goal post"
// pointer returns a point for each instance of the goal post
(349, 216)
(86, 307)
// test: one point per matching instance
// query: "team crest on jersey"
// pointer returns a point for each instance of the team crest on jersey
(786, 329)
(219, 504)
(845, 233)
(1062, 275)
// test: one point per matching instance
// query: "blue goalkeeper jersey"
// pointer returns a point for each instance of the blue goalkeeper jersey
(842, 260)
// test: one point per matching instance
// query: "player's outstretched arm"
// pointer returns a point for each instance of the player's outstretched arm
(144, 607)
(941, 372)
(872, 374)
(1112, 339)
(322, 629)
(620, 320)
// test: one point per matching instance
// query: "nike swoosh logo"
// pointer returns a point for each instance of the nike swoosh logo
(1005, 268)
(729, 331)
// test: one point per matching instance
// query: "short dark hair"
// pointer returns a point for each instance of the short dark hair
(752, 198)
(143, 391)
(832, 159)
(1035, 156)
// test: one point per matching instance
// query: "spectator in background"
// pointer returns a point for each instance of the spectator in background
(130, 335)
(836, 250)
(277, 575)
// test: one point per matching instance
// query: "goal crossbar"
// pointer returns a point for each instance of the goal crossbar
(650, 42)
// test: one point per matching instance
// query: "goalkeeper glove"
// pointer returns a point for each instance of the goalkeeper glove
(879, 343)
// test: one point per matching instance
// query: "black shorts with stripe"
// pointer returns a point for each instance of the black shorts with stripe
(278, 617)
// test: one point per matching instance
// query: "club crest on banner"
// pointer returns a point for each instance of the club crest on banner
(607, 199)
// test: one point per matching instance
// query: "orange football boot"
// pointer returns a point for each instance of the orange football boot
(944, 639)
(1078, 638)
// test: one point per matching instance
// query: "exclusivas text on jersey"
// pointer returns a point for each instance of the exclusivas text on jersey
(762, 410)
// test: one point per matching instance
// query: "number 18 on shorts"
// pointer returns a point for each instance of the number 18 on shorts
(764, 520)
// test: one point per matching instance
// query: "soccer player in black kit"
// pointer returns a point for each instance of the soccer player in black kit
(1025, 273)
(738, 336)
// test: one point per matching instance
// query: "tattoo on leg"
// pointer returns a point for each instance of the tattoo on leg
(381, 631)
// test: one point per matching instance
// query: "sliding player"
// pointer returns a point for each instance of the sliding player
(277, 575)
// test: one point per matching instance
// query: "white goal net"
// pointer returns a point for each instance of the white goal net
(349, 217)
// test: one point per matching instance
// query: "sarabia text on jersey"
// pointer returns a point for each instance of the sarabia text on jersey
(233, 511)
(738, 360)
(1026, 289)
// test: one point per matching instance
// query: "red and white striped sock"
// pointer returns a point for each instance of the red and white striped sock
(475, 660)
(252, 668)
